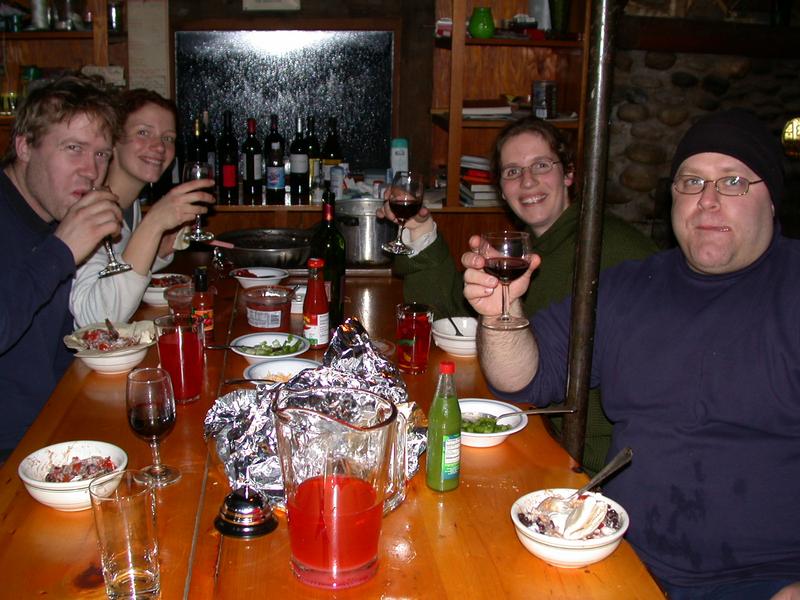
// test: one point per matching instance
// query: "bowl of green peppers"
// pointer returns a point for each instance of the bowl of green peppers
(480, 427)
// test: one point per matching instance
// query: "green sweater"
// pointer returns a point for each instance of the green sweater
(432, 277)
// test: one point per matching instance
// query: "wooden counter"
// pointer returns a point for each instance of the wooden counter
(459, 544)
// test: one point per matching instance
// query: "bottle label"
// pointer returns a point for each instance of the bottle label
(229, 176)
(316, 329)
(314, 168)
(298, 163)
(208, 318)
(451, 456)
(264, 319)
(276, 178)
(255, 171)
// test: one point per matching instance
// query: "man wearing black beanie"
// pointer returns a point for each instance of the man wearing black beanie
(697, 350)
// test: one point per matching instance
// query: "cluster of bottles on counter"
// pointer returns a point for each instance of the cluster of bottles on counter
(267, 173)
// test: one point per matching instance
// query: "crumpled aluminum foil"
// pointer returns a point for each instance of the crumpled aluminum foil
(242, 423)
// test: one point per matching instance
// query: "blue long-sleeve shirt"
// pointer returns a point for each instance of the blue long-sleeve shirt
(35, 281)
(701, 377)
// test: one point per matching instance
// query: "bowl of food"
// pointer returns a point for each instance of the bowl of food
(110, 354)
(480, 427)
(259, 347)
(59, 475)
(445, 336)
(280, 248)
(569, 532)
(252, 276)
(279, 370)
(159, 282)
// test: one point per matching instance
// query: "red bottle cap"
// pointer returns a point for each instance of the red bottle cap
(316, 263)
(447, 367)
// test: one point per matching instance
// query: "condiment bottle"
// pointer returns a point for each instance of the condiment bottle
(316, 327)
(444, 433)
(203, 301)
(329, 244)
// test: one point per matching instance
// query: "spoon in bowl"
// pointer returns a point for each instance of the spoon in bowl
(455, 327)
(474, 416)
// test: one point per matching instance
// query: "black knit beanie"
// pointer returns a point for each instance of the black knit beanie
(740, 134)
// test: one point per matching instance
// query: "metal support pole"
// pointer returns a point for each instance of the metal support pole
(590, 230)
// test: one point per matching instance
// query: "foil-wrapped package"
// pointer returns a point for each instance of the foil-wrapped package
(243, 429)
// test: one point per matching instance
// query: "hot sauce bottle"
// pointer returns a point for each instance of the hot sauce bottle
(316, 328)
(203, 301)
(443, 464)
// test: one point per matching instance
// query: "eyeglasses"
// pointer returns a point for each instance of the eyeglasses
(732, 185)
(538, 167)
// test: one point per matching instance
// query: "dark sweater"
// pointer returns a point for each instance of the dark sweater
(34, 312)
(701, 377)
(432, 278)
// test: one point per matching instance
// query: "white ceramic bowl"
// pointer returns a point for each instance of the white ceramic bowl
(114, 361)
(159, 282)
(117, 362)
(254, 339)
(459, 345)
(72, 495)
(568, 554)
(281, 369)
(252, 276)
(493, 408)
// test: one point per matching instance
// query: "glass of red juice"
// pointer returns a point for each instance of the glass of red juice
(413, 336)
(334, 514)
(180, 352)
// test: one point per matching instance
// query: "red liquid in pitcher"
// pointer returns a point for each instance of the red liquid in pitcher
(183, 360)
(334, 526)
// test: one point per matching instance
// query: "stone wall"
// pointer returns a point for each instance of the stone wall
(656, 96)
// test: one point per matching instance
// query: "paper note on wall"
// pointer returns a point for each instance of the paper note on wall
(148, 45)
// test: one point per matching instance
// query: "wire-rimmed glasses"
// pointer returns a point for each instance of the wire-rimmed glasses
(540, 166)
(730, 185)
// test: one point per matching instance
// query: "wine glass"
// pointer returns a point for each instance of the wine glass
(151, 414)
(193, 170)
(114, 265)
(507, 255)
(405, 200)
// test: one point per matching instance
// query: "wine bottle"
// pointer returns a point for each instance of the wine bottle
(252, 180)
(210, 143)
(314, 158)
(328, 243)
(228, 153)
(331, 150)
(274, 150)
(298, 161)
(195, 147)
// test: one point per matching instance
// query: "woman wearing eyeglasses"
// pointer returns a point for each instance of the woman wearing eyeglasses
(535, 169)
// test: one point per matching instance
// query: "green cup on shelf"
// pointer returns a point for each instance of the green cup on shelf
(481, 23)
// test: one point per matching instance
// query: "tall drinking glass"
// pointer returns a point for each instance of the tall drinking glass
(507, 255)
(405, 200)
(151, 415)
(192, 171)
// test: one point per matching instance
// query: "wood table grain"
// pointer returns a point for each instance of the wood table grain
(459, 544)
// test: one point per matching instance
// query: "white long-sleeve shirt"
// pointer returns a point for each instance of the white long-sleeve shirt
(117, 297)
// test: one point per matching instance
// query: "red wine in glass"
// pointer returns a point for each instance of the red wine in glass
(150, 404)
(506, 256)
(405, 201)
(405, 209)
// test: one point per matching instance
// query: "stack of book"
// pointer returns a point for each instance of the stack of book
(492, 109)
(477, 187)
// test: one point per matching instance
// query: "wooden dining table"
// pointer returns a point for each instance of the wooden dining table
(459, 544)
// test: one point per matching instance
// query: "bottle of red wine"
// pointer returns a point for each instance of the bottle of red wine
(228, 155)
(331, 150)
(196, 147)
(210, 143)
(252, 180)
(298, 165)
(314, 159)
(328, 242)
(274, 150)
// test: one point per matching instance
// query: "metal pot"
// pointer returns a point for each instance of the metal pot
(363, 232)
(284, 248)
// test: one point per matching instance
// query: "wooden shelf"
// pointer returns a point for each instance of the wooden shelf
(441, 117)
(41, 36)
(446, 42)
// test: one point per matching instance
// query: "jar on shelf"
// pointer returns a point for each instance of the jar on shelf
(116, 22)
(481, 23)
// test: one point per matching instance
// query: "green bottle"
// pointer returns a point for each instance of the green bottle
(444, 433)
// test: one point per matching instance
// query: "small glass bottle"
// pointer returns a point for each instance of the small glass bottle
(203, 301)
(316, 327)
(443, 465)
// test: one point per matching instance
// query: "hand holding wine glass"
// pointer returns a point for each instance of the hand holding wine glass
(507, 256)
(114, 265)
(192, 171)
(405, 201)
(150, 406)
